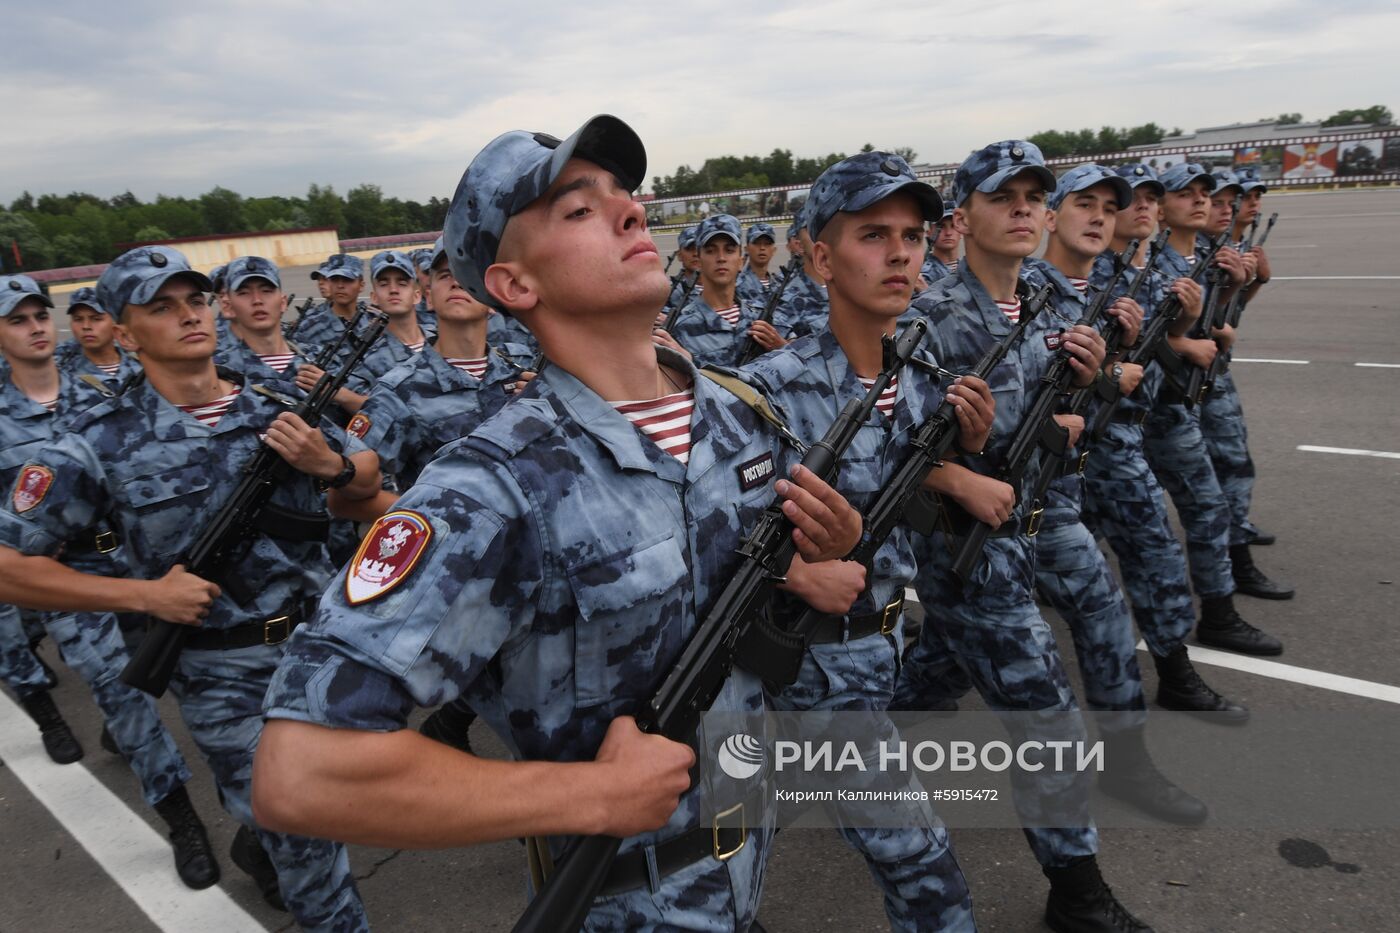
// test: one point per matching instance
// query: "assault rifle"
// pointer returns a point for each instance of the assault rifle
(236, 520)
(679, 306)
(1038, 428)
(1187, 378)
(1237, 303)
(690, 687)
(752, 348)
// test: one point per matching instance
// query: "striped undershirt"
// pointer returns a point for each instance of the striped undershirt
(278, 362)
(730, 315)
(474, 368)
(110, 369)
(1080, 285)
(210, 414)
(665, 421)
(1012, 309)
(417, 347)
(885, 403)
(51, 404)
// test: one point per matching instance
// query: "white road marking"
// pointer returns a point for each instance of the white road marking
(128, 850)
(1379, 365)
(1330, 216)
(1298, 675)
(1334, 278)
(1384, 454)
(1246, 359)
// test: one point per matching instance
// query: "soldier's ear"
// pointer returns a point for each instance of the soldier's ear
(1050, 220)
(821, 259)
(124, 337)
(960, 222)
(509, 285)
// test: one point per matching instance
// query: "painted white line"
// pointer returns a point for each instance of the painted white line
(1379, 365)
(1297, 675)
(1329, 216)
(1245, 359)
(128, 850)
(1383, 454)
(1335, 278)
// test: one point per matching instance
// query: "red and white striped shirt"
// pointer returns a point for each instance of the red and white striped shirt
(474, 368)
(51, 404)
(885, 403)
(210, 414)
(1012, 309)
(278, 362)
(110, 369)
(730, 315)
(665, 421)
(417, 347)
(1080, 285)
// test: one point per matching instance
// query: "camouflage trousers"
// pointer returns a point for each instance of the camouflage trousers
(1073, 576)
(915, 867)
(1124, 503)
(1176, 451)
(221, 696)
(989, 634)
(91, 644)
(1222, 426)
(19, 669)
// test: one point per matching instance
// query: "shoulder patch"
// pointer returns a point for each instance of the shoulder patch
(359, 425)
(31, 487)
(387, 555)
(754, 473)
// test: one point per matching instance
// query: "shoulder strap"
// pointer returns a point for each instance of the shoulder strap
(750, 397)
(97, 383)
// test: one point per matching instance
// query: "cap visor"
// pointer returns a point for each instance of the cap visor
(608, 143)
(1046, 177)
(146, 291)
(344, 274)
(929, 201)
(237, 283)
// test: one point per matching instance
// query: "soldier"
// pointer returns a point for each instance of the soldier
(418, 259)
(37, 401)
(150, 463)
(519, 571)
(93, 351)
(323, 324)
(943, 250)
(865, 218)
(715, 324)
(794, 236)
(1222, 416)
(1122, 497)
(1175, 449)
(755, 280)
(255, 308)
(804, 299)
(990, 619)
(690, 270)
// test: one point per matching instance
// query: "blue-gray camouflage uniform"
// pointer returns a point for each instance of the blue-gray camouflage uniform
(934, 269)
(804, 305)
(713, 341)
(570, 560)
(154, 473)
(502, 329)
(69, 355)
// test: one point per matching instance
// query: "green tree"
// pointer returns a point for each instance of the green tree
(23, 203)
(69, 249)
(324, 208)
(1377, 115)
(150, 234)
(907, 153)
(18, 231)
(222, 210)
(1287, 119)
(366, 213)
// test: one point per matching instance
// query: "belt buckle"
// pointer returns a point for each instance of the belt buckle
(743, 832)
(1083, 460)
(890, 617)
(268, 629)
(105, 542)
(1033, 522)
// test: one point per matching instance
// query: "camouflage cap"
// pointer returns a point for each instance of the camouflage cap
(1249, 180)
(793, 229)
(392, 259)
(134, 277)
(218, 278)
(422, 258)
(760, 230)
(14, 289)
(1083, 177)
(251, 267)
(343, 266)
(992, 166)
(439, 251)
(854, 184)
(85, 297)
(1137, 174)
(686, 238)
(1183, 174)
(511, 173)
(718, 225)
(1225, 178)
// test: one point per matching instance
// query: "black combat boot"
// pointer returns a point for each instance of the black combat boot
(248, 854)
(1258, 537)
(449, 723)
(194, 859)
(1222, 627)
(50, 678)
(59, 740)
(1250, 580)
(1080, 902)
(1180, 688)
(1132, 777)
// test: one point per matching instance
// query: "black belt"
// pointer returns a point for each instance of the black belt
(961, 525)
(272, 631)
(1136, 418)
(629, 870)
(838, 629)
(102, 541)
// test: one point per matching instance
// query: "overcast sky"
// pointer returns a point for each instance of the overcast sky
(267, 97)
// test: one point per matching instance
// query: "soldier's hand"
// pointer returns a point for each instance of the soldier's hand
(1225, 336)
(1251, 264)
(1229, 260)
(1086, 351)
(827, 526)
(1074, 424)
(976, 410)
(1263, 272)
(1130, 380)
(1129, 314)
(986, 499)
(1200, 353)
(1189, 292)
(831, 586)
(180, 597)
(663, 338)
(647, 774)
(766, 335)
(308, 376)
(661, 318)
(302, 446)
(519, 385)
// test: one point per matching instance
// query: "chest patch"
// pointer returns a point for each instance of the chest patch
(358, 426)
(31, 487)
(387, 556)
(755, 472)
(1053, 341)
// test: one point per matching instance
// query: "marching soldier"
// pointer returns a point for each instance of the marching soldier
(943, 250)
(257, 348)
(756, 279)
(93, 352)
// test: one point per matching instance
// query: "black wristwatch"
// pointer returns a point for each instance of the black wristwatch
(344, 477)
(1116, 372)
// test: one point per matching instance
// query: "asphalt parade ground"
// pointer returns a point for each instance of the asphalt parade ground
(1318, 366)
